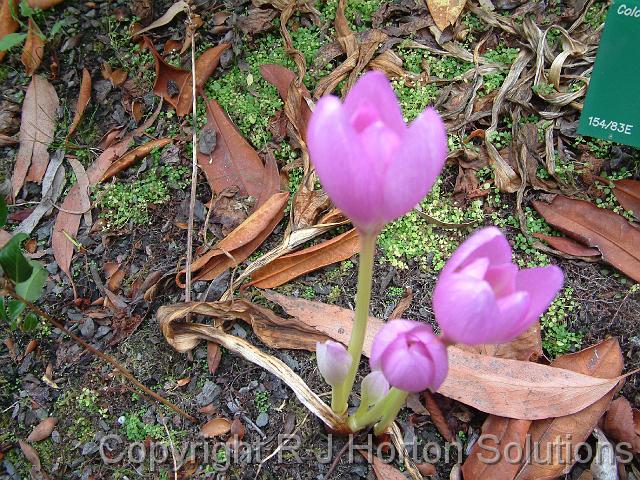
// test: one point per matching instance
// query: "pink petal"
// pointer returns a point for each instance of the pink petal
(464, 307)
(334, 361)
(476, 269)
(342, 166)
(542, 284)
(416, 165)
(407, 369)
(372, 98)
(487, 242)
(385, 337)
(502, 279)
(511, 322)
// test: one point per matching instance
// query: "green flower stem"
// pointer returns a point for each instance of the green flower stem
(364, 405)
(398, 397)
(384, 411)
(339, 399)
(363, 298)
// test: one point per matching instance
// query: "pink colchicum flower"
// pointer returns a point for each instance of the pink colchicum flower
(482, 297)
(374, 167)
(333, 361)
(411, 357)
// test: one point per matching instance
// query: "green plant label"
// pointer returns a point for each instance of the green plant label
(612, 107)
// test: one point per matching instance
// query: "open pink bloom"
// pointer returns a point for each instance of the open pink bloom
(333, 361)
(482, 297)
(411, 357)
(374, 167)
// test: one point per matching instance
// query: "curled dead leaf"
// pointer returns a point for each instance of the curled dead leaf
(241, 242)
(128, 159)
(83, 101)
(43, 430)
(33, 50)
(619, 424)
(30, 454)
(8, 24)
(288, 267)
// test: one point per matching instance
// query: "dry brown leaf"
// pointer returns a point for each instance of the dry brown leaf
(215, 428)
(7, 23)
(619, 424)
(132, 157)
(43, 430)
(426, 469)
(175, 85)
(31, 346)
(503, 387)
(568, 245)
(116, 278)
(36, 133)
(559, 434)
(403, 304)
(214, 355)
(273, 330)
(33, 50)
(30, 454)
(288, 267)
(527, 346)
(68, 222)
(612, 234)
(116, 77)
(383, 470)
(498, 432)
(627, 193)
(445, 12)
(183, 381)
(83, 100)
(44, 4)
(241, 242)
(233, 162)
(437, 417)
(172, 11)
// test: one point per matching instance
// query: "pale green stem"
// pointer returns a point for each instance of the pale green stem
(385, 411)
(390, 414)
(338, 400)
(363, 298)
(364, 405)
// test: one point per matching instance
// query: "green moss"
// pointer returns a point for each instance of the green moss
(262, 401)
(413, 237)
(556, 337)
(309, 293)
(122, 203)
(414, 99)
(502, 54)
(596, 14)
(356, 11)
(251, 101)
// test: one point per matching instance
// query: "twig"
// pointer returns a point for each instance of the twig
(173, 456)
(194, 162)
(280, 447)
(8, 289)
(334, 464)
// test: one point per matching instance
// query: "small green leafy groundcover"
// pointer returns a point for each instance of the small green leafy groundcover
(28, 277)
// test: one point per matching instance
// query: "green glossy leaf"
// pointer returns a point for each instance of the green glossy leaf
(3, 309)
(30, 322)
(4, 211)
(11, 40)
(14, 309)
(31, 289)
(13, 262)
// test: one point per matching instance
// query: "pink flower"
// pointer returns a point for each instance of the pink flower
(374, 167)
(333, 361)
(482, 297)
(411, 357)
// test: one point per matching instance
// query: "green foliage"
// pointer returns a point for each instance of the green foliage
(395, 292)
(502, 54)
(446, 67)
(309, 293)
(596, 15)
(599, 148)
(491, 82)
(501, 138)
(414, 99)
(545, 89)
(248, 99)
(413, 237)
(556, 337)
(355, 10)
(12, 40)
(123, 203)
(262, 401)
(136, 430)
(13, 262)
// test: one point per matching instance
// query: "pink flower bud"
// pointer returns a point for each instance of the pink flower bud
(411, 357)
(482, 297)
(374, 167)
(374, 387)
(333, 361)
